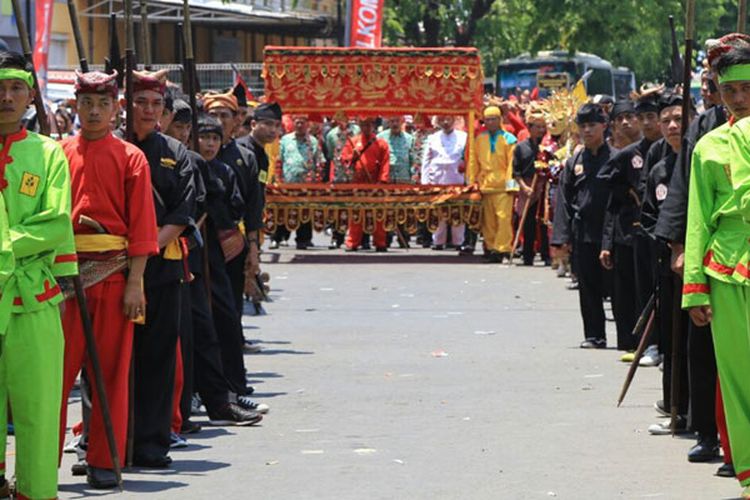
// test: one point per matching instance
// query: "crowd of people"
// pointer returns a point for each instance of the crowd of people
(166, 225)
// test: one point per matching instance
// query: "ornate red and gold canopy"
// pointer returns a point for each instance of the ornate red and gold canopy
(374, 82)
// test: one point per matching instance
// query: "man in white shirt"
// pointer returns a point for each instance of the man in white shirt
(443, 163)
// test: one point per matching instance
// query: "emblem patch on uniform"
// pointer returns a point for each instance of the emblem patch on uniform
(263, 176)
(29, 184)
(661, 192)
(578, 169)
(637, 162)
(168, 163)
(239, 161)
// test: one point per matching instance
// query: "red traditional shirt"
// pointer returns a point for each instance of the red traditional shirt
(372, 157)
(111, 183)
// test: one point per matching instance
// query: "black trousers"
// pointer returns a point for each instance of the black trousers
(623, 297)
(645, 267)
(235, 268)
(669, 296)
(702, 375)
(227, 322)
(304, 233)
(590, 288)
(208, 371)
(529, 236)
(186, 349)
(154, 353)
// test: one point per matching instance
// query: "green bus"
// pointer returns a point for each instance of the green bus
(548, 70)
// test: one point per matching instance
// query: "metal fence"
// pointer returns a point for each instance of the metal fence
(211, 76)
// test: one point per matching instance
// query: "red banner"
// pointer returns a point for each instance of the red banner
(366, 23)
(44, 9)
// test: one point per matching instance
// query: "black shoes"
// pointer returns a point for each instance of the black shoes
(726, 470)
(466, 250)
(381, 249)
(438, 247)
(190, 427)
(152, 461)
(101, 479)
(594, 343)
(705, 450)
(234, 414)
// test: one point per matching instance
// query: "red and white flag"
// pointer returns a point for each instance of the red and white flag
(366, 23)
(44, 10)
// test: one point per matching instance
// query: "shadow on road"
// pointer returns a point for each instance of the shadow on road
(129, 485)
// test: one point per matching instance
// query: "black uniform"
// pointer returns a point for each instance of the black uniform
(671, 228)
(524, 158)
(624, 174)
(669, 295)
(210, 382)
(583, 196)
(245, 166)
(155, 342)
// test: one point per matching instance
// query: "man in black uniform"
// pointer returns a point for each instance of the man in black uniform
(583, 197)
(208, 372)
(657, 189)
(671, 227)
(524, 168)
(624, 175)
(155, 343)
(228, 321)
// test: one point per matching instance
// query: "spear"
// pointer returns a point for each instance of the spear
(73, 14)
(129, 68)
(522, 221)
(146, 35)
(687, 79)
(23, 35)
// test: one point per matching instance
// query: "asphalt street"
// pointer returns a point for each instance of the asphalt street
(422, 375)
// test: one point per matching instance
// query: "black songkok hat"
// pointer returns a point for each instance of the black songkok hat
(267, 111)
(182, 111)
(622, 107)
(649, 103)
(207, 124)
(241, 95)
(590, 113)
(669, 99)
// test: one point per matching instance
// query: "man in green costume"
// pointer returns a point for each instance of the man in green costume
(35, 185)
(716, 278)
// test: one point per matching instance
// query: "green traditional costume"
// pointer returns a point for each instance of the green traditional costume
(35, 184)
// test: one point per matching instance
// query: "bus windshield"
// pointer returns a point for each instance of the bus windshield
(523, 76)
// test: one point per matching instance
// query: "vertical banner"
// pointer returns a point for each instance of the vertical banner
(44, 9)
(366, 24)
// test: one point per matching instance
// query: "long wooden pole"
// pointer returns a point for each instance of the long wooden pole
(146, 32)
(23, 35)
(676, 314)
(742, 16)
(73, 13)
(129, 68)
(522, 220)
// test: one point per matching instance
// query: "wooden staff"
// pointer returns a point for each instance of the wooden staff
(73, 14)
(130, 137)
(146, 35)
(23, 35)
(648, 312)
(676, 333)
(742, 16)
(523, 218)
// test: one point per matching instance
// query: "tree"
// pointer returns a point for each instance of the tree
(632, 33)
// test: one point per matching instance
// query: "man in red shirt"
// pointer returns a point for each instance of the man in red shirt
(369, 159)
(113, 215)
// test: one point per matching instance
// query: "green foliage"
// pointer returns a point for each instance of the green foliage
(632, 33)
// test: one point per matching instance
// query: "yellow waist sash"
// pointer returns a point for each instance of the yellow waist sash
(100, 242)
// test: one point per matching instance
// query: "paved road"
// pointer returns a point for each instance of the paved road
(421, 376)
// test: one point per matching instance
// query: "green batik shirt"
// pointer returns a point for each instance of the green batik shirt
(402, 156)
(716, 243)
(300, 160)
(35, 183)
(335, 141)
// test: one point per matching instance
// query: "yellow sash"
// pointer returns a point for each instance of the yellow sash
(173, 251)
(100, 242)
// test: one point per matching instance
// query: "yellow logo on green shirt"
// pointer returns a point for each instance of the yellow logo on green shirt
(29, 184)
